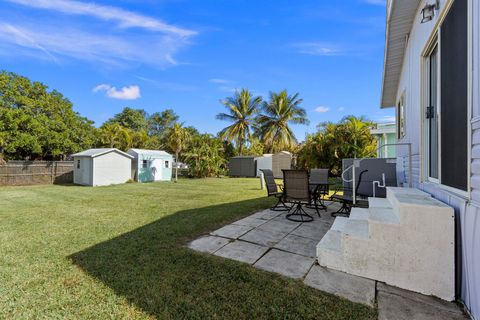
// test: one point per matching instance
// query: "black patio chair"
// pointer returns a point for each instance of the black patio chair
(346, 199)
(273, 191)
(319, 186)
(297, 191)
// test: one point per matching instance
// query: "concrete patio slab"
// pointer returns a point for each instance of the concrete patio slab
(299, 245)
(250, 222)
(264, 237)
(231, 231)
(314, 231)
(398, 304)
(285, 263)
(267, 214)
(347, 286)
(242, 251)
(208, 244)
(284, 225)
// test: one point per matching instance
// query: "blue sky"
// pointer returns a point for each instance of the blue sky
(189, 54)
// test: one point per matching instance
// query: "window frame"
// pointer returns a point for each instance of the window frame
(434, 46)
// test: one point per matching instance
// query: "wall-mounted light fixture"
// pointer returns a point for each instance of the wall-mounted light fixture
(428, 12)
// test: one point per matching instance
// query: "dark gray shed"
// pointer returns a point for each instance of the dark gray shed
(243, 166)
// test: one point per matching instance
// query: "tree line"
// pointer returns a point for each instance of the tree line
(38, 124)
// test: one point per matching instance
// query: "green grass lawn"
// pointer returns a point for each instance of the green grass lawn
(118, 252)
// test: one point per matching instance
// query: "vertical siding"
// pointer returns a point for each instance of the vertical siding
(470, 221)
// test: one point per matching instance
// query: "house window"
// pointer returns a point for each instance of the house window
(401, 123)
(167, 164)
(78, 164)
(446, 102)
(144, 163)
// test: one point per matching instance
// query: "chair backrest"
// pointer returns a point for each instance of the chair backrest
(319, 176)
(295, 185)
(269, 181)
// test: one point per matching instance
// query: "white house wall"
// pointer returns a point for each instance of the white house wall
(111, 168)
(467, 210)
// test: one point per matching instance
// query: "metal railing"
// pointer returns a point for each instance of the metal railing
(357, 162)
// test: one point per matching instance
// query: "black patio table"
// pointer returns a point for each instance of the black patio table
(319, 190)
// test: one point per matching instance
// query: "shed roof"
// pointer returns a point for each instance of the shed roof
(400, 17)
(92, 153)
(150, 152)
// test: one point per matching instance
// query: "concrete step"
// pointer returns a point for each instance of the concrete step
(396, 195)
(384, 215)
(332, 241)
(379, 203)
(356, 228)
(352, 227)
(359, 213)
(339, 223)
(329, 250)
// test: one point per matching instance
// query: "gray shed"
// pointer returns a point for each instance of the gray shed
(243, 166)
(102, 167)
(280, 161)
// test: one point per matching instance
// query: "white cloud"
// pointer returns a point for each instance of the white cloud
(93, 33)
(55, 41)
(317, 49)
(126, 19)
(322, 109)
(21, 38)
(341, 109)
(125, 93)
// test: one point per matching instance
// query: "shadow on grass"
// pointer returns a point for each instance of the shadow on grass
(151, 267)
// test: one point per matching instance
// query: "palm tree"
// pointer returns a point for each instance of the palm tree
(242, 108)
(114, 136)
(277, 114)
(177, 141)
(356, 140)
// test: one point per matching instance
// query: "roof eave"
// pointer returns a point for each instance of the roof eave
(400, 18)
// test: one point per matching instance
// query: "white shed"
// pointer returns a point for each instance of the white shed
(102, 167)
(264, 163)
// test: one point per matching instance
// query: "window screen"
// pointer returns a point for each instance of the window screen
(454, 84)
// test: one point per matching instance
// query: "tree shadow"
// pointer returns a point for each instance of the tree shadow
(153, 269)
